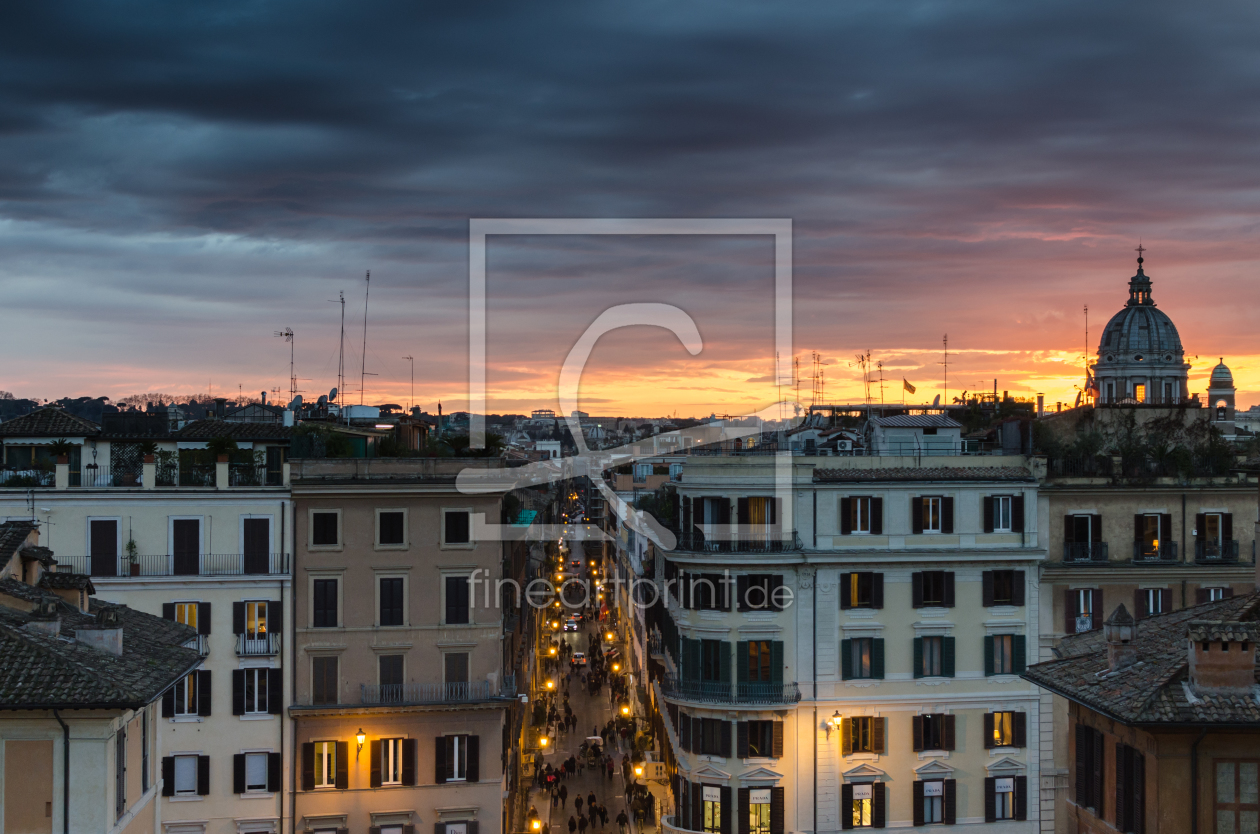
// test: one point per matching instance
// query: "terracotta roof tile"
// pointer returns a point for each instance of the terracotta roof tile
(924, 473)
(48, 422)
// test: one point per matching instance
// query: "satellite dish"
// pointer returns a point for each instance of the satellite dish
(297, 400)
(937, 400)
(332, 395)
(322, 399)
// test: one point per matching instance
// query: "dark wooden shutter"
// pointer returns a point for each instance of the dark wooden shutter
(1095, 529)
(1069, 611)
(238, 618)
(1122, 821)
(776, 740)
(947, 657)
(1021, 797)
(1019, 724)
(238, 692)
(1200, 525)
(986, 589)
(917, 797)
(990, 799)
(1139, 529)
(1083, 773)
(257, 544)
(846, 806)
(238, 773)
(949, 589)
(168, 610)
(203, 692)
(846, 516)
(274, 767)
(988, 731)
(439, 760)
(275, 616)
(1097, 620)
(724, 729)
(684, 731)
(916, 733)
(203, 618)
(1138, 785)
(741, 593)
(988, 655)
(741, 740)
(745, 810)
(697, 804)
(1096, 786)
(1017, 514)
(877, 590)
(168, 703)
(917, 668)
(1227, 526)
(1019, 653)
(409, 750)
(846, 660)
(103, 539)
(879, 735)
(916, 589)
(343, 765)
(988, 515)
(1069, 530)
(947, 514)
(725, 793)
(947, 732)
(474, 759)
(1017, 587)
(186, 541)
(877, 516)
(308, 765)
(168, 776)
(776, 661)
(1165, 600)
(1200, 596)
(776, 811)
(275, 691)
(916, 514)
(1165, 528)
(1139, 604)
(951, 801)
(846, 583)
(374, 772)
(879, 805)
(742, 512)
(203, 775)
(846, 736)
(877, 658)
(741, 661)
(776, 603)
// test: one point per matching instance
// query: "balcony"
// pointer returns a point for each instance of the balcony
(751, 694)
(23, 478)
(1085, 552)
(1161, 553)
(266, 645)
(419, 694)
(697, 542)
(200, 643)
(205, 564)
(1216, 553)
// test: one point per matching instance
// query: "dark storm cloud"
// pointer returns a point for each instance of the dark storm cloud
(243, 160)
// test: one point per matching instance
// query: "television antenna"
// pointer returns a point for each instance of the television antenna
(341, 351)
(945, 342)
(411, 402)
(367, 286)
(287, 333)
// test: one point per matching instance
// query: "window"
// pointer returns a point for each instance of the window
(863, 729)
(325, 529)
(930, 666)
(756, 592)
(1237, 794)
(390, 667)
(759, 670)
(456, 758)
(1003, 587)
(862, 657)
(933, 732)
(712, 799)
(1139, 392)
(862, 806)
(711, 652)
(934, 801)
(1215, 594)
(456, 527)
(391, 761)
(1004, 654)
(186, 613)
(931, 514)
(391, 527)
(457, 600)
(715, 736)
(185, 775)
(1002, 514)
(1005, 729)
(1131, 791)
(1089, 769)
(324, 604)
(186, 695)
(1153, 534)
(255, 772)
(861, 590)
(455, 667)
(256, 691)
(1082, 539)
(255, 620)
(325, 764)
(759, 811)
(1154, 601)
(391, 601)
(933, 588)
(1084, 599)
(860, 515)
(761, 739)
(1004, 798)
(324, 683)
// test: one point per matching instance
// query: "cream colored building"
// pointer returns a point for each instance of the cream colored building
(883, 688)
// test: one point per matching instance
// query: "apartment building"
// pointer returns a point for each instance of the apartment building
(80, 746)
(165, 526)
(404, 689)
(841, 641)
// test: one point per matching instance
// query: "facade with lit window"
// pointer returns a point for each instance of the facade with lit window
(402, 692)
(844, 652)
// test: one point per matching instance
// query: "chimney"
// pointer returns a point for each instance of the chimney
(264, 397)
(45, 619)
(107, 634)
(220, 407)
(1119, 631)
(1223, 656)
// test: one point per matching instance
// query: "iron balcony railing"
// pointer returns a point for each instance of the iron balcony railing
(196, 474)
(771, 542)
(1085, 552)
(200, 643)
(22, 478)
(435, 693)
(183, 564)
(1163, 552)
(709, 692)
(1210, 553)
(266, 645)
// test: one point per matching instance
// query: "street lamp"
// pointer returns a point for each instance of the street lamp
(551, 684)
(616, 667)
(625, 709)
(638, 770)
(360, 737)
(835, 721)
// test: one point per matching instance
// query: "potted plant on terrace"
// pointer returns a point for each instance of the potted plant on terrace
(133, 560)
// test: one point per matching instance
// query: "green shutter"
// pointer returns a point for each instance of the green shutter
(741, 661)
(846, 658)
(724, 661)
(918, 657)
(988, 656)
(776, 662)
(1020, 656)
(877, 658)
(947, 656)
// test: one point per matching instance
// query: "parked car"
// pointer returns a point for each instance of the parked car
(578, 659)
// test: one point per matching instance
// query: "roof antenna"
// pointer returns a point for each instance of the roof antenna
(367, 286)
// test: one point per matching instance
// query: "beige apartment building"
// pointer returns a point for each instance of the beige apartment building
(402, 694)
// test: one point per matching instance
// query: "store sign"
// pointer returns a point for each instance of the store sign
(760, 796)
(933, 788)
(861, 791)
(1006, 785)
(712, 794)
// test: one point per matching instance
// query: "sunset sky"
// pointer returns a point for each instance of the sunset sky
(179, 181)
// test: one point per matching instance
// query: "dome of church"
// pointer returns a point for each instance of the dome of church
(1221, 377)
(1140, 332)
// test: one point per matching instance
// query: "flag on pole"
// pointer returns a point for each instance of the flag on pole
(907, 385)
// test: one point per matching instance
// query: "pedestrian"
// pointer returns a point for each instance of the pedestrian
(581, 825)
(603, 815)
(572, 825)
(577, 803)
(593, 811)
(590, 799)
(622, 819)
(564, 795)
